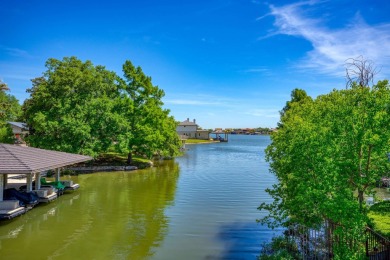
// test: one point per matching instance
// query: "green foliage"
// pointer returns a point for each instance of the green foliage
(74, 107)
(297, 96)
(81, 108)
(279, 248)
(381, 223)
(3, 86)
(327, 149)
(153, 130)
(379, 215)
(381, 207)
(6, 135)
(10, 110)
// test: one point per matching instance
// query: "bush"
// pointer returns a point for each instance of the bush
(279, 248)
(379, 215)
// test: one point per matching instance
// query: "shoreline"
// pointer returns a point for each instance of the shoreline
(208, 142)
(92, 169)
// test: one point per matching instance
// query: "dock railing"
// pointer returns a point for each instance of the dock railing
(377, 246)
(319, 243)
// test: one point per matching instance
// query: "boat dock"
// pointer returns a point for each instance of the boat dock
(21, 182)
(220, 136)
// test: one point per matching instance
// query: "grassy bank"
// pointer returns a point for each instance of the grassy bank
(380, 215)
(116, 159)
(199, 141)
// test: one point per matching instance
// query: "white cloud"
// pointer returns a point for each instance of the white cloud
(332, 47)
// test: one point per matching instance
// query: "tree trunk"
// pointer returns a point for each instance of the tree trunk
(361, 199)
(129, 158)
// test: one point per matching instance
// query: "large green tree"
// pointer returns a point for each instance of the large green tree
(328, 154)
(75, 107)
(153, 130)
(81, 108)
(10, 110)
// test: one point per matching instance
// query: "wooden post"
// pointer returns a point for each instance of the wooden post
(5, 181)
(58, 174)
(37, 180)
(1, 186)
(29, 182)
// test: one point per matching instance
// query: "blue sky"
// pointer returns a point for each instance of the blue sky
(225, 63)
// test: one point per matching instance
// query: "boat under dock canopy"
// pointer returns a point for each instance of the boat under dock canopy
(31, 162)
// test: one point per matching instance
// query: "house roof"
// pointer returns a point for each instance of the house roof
(188, 123)
(16, 159)
(19, 124)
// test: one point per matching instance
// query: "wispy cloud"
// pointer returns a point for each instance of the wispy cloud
(258, 70)
(15, 52)
(332, 47)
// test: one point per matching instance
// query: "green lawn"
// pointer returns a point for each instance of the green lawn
(380, 215)
(197, 141)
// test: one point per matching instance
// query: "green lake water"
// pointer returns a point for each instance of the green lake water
(202, 205)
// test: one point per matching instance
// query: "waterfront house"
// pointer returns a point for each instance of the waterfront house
(191, 130)
(20, 130)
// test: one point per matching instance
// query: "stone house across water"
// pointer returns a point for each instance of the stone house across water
(190, 129)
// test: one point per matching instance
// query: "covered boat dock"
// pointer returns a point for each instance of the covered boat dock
(217, 136)
(31, 162)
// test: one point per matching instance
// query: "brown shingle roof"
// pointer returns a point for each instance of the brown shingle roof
(24, 160)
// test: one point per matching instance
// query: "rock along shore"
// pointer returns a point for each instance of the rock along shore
(91, 169)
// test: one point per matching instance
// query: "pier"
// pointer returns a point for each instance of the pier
(220, 136)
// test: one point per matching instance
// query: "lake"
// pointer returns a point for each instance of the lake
(202, 205)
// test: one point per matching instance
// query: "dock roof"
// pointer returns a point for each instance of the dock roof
(16, 159)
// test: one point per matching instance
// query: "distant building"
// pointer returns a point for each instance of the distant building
(203, 134)
(20, 130)
(189, 129)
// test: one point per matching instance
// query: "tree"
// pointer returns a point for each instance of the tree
(153, 131)
(75, 107)
(297, 96)
(81, 108)
(3, 86)
(328, 154)
(10, 110)
(360, 71)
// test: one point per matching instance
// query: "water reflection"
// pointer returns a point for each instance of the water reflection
(208, 211)
(117, 215)
(242, 239)
(220, 187)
